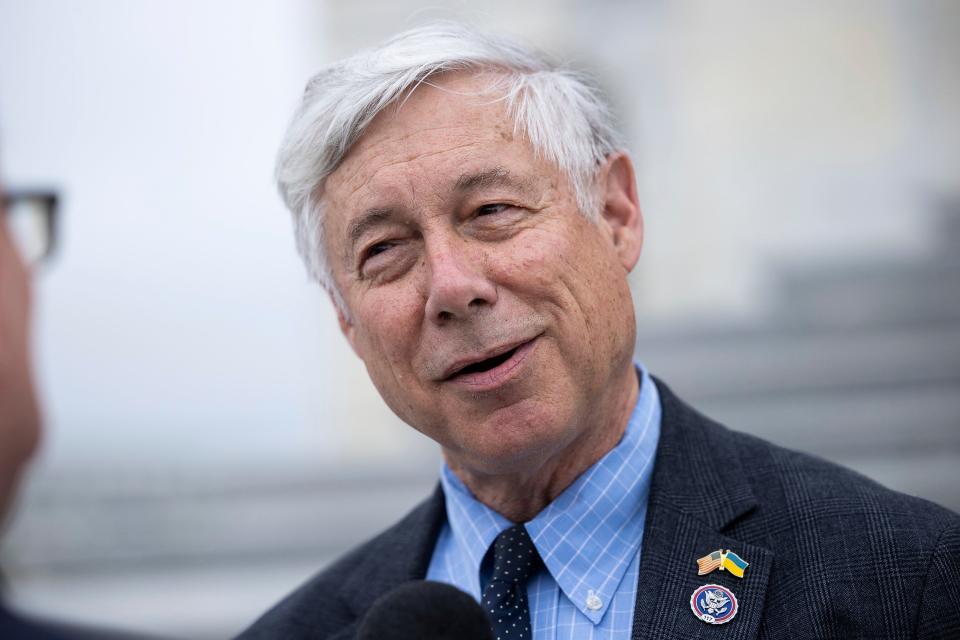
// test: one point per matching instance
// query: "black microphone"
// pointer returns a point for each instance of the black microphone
(422, 610)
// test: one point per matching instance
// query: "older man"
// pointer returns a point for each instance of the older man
(469, 208)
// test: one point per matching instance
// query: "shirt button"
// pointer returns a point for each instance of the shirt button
(593, 602)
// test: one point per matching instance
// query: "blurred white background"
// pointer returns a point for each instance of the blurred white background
(211, 441)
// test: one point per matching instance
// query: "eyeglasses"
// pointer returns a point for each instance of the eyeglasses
(31, 218)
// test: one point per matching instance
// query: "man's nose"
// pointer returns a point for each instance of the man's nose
(458, 287)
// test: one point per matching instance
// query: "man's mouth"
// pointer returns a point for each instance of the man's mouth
(486, 365)
(492, 370)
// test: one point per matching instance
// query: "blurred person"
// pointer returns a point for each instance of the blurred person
(20, 417)
(469, 208)
(19, 410)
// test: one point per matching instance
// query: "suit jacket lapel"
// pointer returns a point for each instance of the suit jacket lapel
(401, 556)
(699, 489)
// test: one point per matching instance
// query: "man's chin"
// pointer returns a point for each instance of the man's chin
(505, 453)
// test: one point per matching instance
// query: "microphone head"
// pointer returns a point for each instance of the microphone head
(425, 609)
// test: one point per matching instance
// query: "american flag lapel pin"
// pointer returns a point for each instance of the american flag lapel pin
(723, 560)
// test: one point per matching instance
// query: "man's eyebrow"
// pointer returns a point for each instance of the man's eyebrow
(495, 177)
(366, 220)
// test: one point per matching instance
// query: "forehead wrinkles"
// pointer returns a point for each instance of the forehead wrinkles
(390, 168)
(375, 164)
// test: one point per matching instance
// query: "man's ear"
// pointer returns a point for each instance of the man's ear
(621, 208)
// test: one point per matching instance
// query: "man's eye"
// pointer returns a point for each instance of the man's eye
(377, 249)
(489, 209)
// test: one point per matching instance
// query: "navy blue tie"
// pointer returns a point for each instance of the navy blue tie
(515, 559)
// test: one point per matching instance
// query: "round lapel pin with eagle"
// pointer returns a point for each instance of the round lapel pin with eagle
(714, 604)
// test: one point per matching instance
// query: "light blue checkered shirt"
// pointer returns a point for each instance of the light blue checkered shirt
(589, 537)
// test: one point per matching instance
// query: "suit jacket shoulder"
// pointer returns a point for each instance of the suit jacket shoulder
(329, 604)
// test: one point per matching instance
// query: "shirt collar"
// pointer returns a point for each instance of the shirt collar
(474, 525)
(589, 534)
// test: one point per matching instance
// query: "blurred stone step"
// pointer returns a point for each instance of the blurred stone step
(948, 227)
(223, 526)
(869, 294)
(913, 420)
(754, 363)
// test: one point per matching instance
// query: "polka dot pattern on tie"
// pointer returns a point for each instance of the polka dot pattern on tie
(515, 560)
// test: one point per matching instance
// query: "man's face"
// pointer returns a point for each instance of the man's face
(490, 314)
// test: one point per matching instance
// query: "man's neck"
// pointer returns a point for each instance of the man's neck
(520, 496)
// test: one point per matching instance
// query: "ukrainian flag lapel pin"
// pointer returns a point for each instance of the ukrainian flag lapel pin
(723, 560)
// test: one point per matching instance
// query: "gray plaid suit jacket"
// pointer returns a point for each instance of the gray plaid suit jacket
(832, 554)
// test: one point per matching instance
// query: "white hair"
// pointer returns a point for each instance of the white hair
(559, 111)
